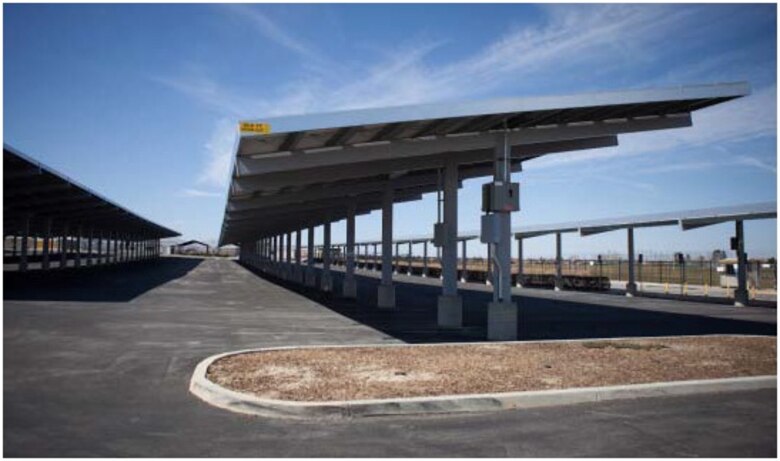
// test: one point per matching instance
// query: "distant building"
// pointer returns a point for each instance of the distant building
(191, 247)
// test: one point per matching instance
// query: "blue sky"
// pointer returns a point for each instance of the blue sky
(140, 102)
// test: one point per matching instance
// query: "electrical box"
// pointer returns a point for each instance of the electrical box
(438, 234)
(500, 197)
(489, 230)
(641, 258)
(734, 243)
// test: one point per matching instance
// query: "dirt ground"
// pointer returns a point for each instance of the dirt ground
(327, 373)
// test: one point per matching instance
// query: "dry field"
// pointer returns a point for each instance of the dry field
(328, 373)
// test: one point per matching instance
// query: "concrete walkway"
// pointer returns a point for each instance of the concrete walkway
(99, 366)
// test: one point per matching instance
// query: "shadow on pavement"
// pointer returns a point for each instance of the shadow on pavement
(114, 283)
(414, 320)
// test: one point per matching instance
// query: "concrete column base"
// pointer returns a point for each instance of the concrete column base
(326, 282)
(450, 311)
(311, 278)
(631, 290)
(385, 298)
(502, 321)
(740, 298)
(349, 289)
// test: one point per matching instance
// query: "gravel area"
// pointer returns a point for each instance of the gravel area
(327, 373)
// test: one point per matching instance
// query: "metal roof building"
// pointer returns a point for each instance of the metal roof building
(298, 172)
(39, 201)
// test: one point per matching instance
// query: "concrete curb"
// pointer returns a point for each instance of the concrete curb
(239, 402)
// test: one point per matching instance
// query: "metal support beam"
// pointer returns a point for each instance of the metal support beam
(409, 260)
(425, 259)
(350, 285)
(46, 254)
(558, 263)
(89, 247)
(25, 238)
(741, 293)
(464, 262)
(311, 276)
(326, 282)
(520, 262)
(298, 266)
(631, 285)
(450, 305)
(502, 312)
(78, 246)
(386, 289)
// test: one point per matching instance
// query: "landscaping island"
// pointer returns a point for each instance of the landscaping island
(354, 373)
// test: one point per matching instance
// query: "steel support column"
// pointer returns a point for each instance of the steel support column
(25, 238)
(326, 281)
(46, 252)
(519, 262)
(350, 285)
(558, 263)
(89, 247)
(464, 264)
(386, 289)
(78, 246)
(425, 259)
(298, 268)
(311, 276)
(502, 312)
(450, 304)
(741, 293)
(631, 285)
(409, 260)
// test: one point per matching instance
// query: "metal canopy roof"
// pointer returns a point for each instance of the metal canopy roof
(36, 190)
(687, 219)
(306, 170)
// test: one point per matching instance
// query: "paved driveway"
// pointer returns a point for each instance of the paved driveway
(98, 365)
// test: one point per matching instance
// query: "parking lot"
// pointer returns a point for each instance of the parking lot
(99, 365)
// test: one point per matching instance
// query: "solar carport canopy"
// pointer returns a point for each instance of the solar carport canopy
(35, 191)
(686, 219)
(306, 170)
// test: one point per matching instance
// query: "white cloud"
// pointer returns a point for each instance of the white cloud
(602, 39)
(199, 193)
(219, 150)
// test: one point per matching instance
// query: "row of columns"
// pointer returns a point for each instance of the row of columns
(101, 247)
(741, 294)
(266, 254)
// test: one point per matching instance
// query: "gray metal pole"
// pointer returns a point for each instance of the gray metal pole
(64, 247)
(311, 277)
(631, 285)
(46, 255)
(558, 263)
(25, 237)
(464, 272)
(326, 283)
(409, 260)
(78, 246)
(386, 290)
(741, 293)
(425, 259)
(298, 267)
(89, 247)
(519, 262)
(350, 285)
(376, 258)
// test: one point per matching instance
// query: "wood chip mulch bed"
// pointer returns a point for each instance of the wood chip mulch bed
(328, 374)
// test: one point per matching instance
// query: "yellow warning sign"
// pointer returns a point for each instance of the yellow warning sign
(260, 128)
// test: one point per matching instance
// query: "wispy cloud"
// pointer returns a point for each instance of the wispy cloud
(199, 193)
(528, 59)
(268, 29)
